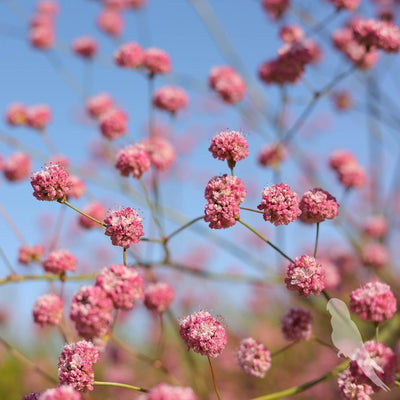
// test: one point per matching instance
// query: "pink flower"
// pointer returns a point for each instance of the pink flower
(230, 146)
(161, 151)
(351, 389)
(17, 167)
(280, 204)
(78, 187)
(119, 5)
(373, 302)
(123, 285)
(275, 8)
(253, 357)
(60, 261)
(28, 254)
(124, 227)
(133, 159)
(296, 324)
(375, 255)
(42, 37)
(164, 391)
(95, 210)
(52, 183)
(42, 19)
(157, 61)
(91, 310)
(39, 116)
(48, 7)
(227, 83)
(99, 105)
(349, 172)
(224, 195)
(203, 334)
(110, 22)
(170, 98)
(349, 5)
(63, 392)
(31, 396)
(376, 227)
(48, 310)
(158, 296)
(75, 366)
(306, 276)
(85, 46)
(291, 33)
(271, 155)
(129, 55)
(317, 205)
(113, 124)
(16, 114)
(136, 4)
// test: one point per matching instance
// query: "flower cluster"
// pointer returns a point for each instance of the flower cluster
(133, 159)
(158, 297)
(59, 262)
(48, 310)
(98, 105)
(113, 124)
(156, 61)
(85, 46)
(376, 227)
(95, 210)
(170, 98)
(296, 324)
(275, 8)
(42, 25)
(229, 85)
(253, 357)
(110, 21)
(349, 5)
(271, 155)
(375, 255)
(162, 152)
(164, 391)
(17, 167)
(63, 392)
(28, 254)
(317, 205)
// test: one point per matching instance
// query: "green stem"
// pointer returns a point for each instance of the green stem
(316, 241)
(266, 241)
(283, 349)
(63, 201)
(252, 209)
(124, 256)
(44, 277)
(183, 227)
(120, 385)
(213, 378)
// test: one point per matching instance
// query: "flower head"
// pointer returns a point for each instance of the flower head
(85, 46)
(129, 55)
(158, 296)
(17, 167)
(164, 391)
(95, 210)
(59, 262)
(156, 61)
(16, 114)
(271, 155)
(317, 205)
(39, 116)
(375, 255)
(351, 389)
(113, 124)
(229, 85)
(99, 104)
(162, 152)
(170, 98)
(48, 310)
(110, 22)
(376, 227)
(28, 254)
(296, 324)
(275, 8)
(63, 392)
(133, 159)
(253, 357)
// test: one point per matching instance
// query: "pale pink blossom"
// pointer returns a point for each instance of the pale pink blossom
(38, 116)
(16, 114)
(111, 22)
(162, 152)
(113, 124)
(291, 33)
(164, 391)
(99, 104)
(253, 357)
(375, 255)
(17, 167)
(229, 85)
(317, 205)
(85, 46)
(129, 55)
(78, 187)
(59, 262)
(95, 210)
(133, 160)
(157, 61)
(158, 296)
(296, 324)
(271, 155)
(42, 37)
(170, 98)
(63, 392)
(48, 310)
(28, 254)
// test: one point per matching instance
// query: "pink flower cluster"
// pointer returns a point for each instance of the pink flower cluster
(85, 47)
(164, 391)
(111, 22)
(52, 183)
(123, 285)
(129, 55)
(28, 254)
(229, 85)
(280, 204)
(133, 159)
(113, 123)
(48, 310)
(224, 195)
(17, 167)
(306, 276)
(271, 155)
(296, 324)
(162, 152)
(42, 30)
(95, 210)
(375, 255)
(230, 146)
(203, 334)
(98, 105)
(37, 116)
(124, 227)
(317, 205)
(75, 366)
(59, 262)
(349, 5)
(253, 357)
(16, 114)
(376, 227)
(158, 297)
(346, 166)
(170, 98)
(350, 389)
(291, 33)
(156, 61)
(275, 8)
(373, 302)
(63, 392)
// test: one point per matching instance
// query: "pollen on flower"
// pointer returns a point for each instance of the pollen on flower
(253, 357)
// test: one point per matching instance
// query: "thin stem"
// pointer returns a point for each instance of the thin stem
(167, 238)
(316, 240)
(124, 256)
(266, 241)
(57, 231)
(213, 378)
(44, 277)
(63, 201)
(150, 81)
(323, 343)
(252, 209)
(283, 349)
(7, 262)
(120, 385)
(377, 332)
(12, 225)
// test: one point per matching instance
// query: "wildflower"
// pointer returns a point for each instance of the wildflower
(170, 98)
(17, 167)
(253, 358)
(16, 114)
(129, 55)
(296, 324)
(85, 46)
(113, 124)
(164, 391)
(158, 296)
(316, 205)
(156, 61)
(59, 262)
(161, 151)
(95, 210)
(133, 159)
(227, 83)
(99, 104)
(48, 310)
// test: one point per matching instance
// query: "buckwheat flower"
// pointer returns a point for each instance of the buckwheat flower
(99, 104)
(119, 5)
(349, 5)
(229, 85)
(164, 391)
(203, 334)
(306, 276)
(275, 8)
(375, 255)
(17, 167)
(382, 355)
(271, 155)
(351, 389)
(110, 22)
(383, 35)
(124, 227)
(280, 204)
(91, 310)
(230, 146)
(31, 396)
(158, 296)
(78, 187)
(253, 357)
(352, 175)
(296, 324)
(52, 183)
(85, 46)
(170, 98)
(48, 7)
(63, 392)
(39, 116)
(75, 365)
(42, 37)
(157, 61)
(376, 227)
(317, 205)
(28, 254)
(373, 302)
(224, 195)
(16, 114)
(162, 152)
(129, 55)
(59, 262)
(123, 285)
(113, 124)
(133, 160)
(291, 33)
(95, 210)
(339, 158)
(48, 310)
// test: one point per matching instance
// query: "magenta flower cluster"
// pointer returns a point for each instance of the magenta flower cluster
(133, 160)
(63, 392)
(253, 357)
(59, 262)
(48, 310)
(158, 296)
(296, 324)
(229, 85)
